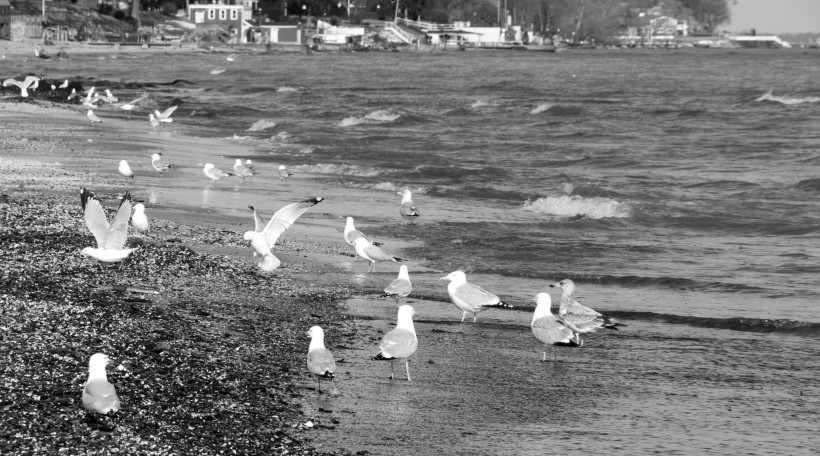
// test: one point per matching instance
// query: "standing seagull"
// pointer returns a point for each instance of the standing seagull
(284, 173)
(159, 164)
(548, 329)
(351, 234)
(262, 241)
(110, 238)
(241, 170)
(214, 173)
(99, 395)
(23, 86)
(139, 220)
(400, 343)
(93, 117)
(249, 164)
(372, 253)
(125, 170)
(470, 298)
(577, 317)
(407, 210)
(400, 287)
(319, 359)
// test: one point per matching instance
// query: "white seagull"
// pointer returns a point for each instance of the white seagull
(407, 210)
(23, 86)
(72, 95)
(109, 97)
(241, 170)
(400, 287)
(351, 234)
(153, 120)
(133, 103)
(284, 173)
(372, 253)
(110, 238)
(99, 395)
(249, 164)
(400, 343)
(577, 317)
(64, 84)
(92, 117)
(470, 298)
(262, 241)
(139, 220)
(320, 361)
(548, 329)
(214, 173)
(90, 98)
(158, 163)
(165, 116)
(125, 170)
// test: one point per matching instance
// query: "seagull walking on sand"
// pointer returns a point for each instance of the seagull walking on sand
(577, 317)
(23, 86)
(400, 287)
(400, 343)
(241, 170)
(159, 164)
(320, 361)
(93, 117)
(549, 329)
(110, 238)
(139, 220)
(262, 241)
(214, 173)
(372, 253)
(407, 210)
(125, 170)
(351, 234)
(470, 298)
(284, 173)
(99, 395)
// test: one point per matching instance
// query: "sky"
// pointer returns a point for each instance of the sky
(774, 16)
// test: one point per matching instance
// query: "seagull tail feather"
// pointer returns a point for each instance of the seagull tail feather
(610, 323)
(503, 304)
(381, 357)
(570, 343)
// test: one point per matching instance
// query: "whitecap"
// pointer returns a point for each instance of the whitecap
(216, 71)
(574, 206)
(336, 169)
(541, 108)
(769, 96)
(262, 125)
(287, 89)
(375, 117)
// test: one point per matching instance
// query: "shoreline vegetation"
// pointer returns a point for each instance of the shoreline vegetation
(212, 364)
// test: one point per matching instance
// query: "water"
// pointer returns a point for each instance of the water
(669, 186)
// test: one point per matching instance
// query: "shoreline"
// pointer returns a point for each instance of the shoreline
(213, 303)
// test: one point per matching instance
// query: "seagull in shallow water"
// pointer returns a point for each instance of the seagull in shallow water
(125, 170)
(548, 329)
(400, 343)
(249, 165)
(139, 220)
(165, 116)
(241, 170)
(93, 117)
(40, 54)
(407, 210)
(351, 234)
(214, 173)
(577, 317)
(99, 395)
(284, 173)
(400, 287)
(158, 163)
(320, 361)
(24, 85)
(262, 241)
(110, 238)
(470, 298)
(372, 253)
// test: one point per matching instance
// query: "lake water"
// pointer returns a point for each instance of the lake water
(678, 189)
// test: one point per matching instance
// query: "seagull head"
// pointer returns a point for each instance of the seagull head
(87, 251)
(99, 360)
(455, 276)
(139, 208)
(248, 236)
(315, 332)
(542, 299)
(406, 312)
(567, 285)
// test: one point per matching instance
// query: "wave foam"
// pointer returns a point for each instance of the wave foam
(334, 169)
(287, 89)
(768, 96)
(541, 108)
(262, 125)
(574, 206)
(380, 116)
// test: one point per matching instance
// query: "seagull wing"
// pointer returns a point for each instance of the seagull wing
(10, 82)
(118, 232)
(167, 113)
(137, 100)
(475, 295)
(30, 80)
(398, 343)
(320, 362)
(94, 217)
(284, 218)
(259, 224)
(551, 330)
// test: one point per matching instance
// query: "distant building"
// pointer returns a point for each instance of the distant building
(5, 19)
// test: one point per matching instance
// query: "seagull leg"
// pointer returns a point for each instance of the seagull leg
(391, 370)
(407, 366)
(319, 385)
(334, 391)
(463, 315)
(554, 352)
(545, 357)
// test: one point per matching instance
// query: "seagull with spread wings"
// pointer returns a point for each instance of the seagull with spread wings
(23, 86)
(262, 241)
(110, 237)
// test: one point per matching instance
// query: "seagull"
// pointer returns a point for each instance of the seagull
(214, 173)
(284, 173)
(400, 287)
(158, 163)
(133, 103)
(64, 84)
(109, 97)
(93, 117)
(249, 165)
(139, 220)
(23, 86)
(262, 241)
(241, 170)
(577, 317)
(372, 253)
(165, 116)
(470, 298)
(110, 238)
(35, 85)
(99, 395)
(40, 54)
(125, 170)
(90, 98)
(154, 122)
(72, 95)
(548, 329)
(407, 210)
(53, 87)
(400, 343)
(231, 57)
(319, 359)
(351, 234)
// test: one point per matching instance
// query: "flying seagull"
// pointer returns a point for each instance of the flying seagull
(110, 237)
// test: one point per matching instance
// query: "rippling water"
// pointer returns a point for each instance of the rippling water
(677, 189)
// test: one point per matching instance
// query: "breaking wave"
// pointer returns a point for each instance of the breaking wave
(769, 96)
(262, 125)
(578, 206)
(375, 117)
(336, 169)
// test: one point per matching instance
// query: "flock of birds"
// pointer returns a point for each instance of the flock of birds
(397, 346)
